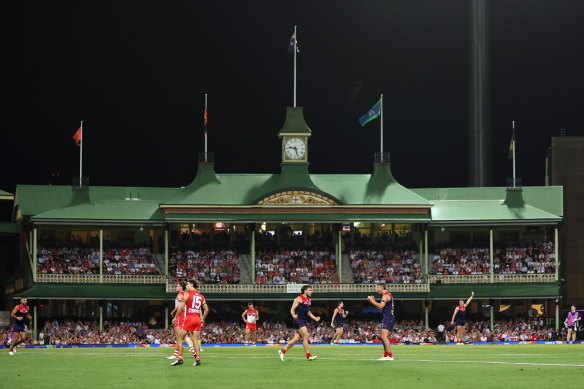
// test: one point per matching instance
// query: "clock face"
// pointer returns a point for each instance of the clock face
(295, 148)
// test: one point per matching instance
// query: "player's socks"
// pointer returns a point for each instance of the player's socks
(192, 350)
(307, 355)
(389, 354)
(386, 354)
(283, 351)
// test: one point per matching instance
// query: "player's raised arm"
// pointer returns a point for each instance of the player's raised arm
(295, 304)
(469, 299)
(454, 315)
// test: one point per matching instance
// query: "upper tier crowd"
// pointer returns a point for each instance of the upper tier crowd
(533, 258)
(273, 332)
(279, 267)
(394, 267)
(205, 266)
(78, 260)
(302, 266)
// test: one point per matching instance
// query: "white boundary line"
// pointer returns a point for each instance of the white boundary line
(275, 357)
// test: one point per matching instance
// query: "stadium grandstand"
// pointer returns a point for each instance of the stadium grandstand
(117, 252)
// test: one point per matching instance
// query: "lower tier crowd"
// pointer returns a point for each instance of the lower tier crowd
(272, 332)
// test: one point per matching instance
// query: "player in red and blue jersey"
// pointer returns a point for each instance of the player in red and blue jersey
(386, 307)
(19, 314)
(337, 322)
(459, 315)
(300, 311)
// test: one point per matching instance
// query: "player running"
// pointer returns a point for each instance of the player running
(178, 320)
(192, 304)
(250, 322)
(386, 307)
(19, 313)
(459, 315)
(300, 311)
(572, 321)
(337, 322)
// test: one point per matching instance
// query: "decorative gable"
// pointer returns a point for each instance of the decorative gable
(297, 197)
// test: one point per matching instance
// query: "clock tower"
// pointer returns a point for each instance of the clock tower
(294, 135)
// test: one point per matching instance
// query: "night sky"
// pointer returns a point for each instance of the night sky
(136, 73)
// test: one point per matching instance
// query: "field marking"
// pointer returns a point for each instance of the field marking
(237, 356)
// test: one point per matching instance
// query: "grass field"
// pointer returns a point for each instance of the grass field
(505, 366)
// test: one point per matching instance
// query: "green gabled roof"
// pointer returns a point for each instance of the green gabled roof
(546, 198)
(5, 195)
(368, 189)
(124, 211)
(379, 188)
(38, 199)
(295, 123)
(487, 211)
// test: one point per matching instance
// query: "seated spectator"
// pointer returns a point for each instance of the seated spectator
(205, 266)
(301, 266)
(375, 266)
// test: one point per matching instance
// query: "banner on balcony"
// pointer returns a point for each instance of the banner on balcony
(293, 288)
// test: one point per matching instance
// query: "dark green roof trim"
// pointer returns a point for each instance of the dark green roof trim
(511, 291)
(295, 123)
(9, 228)
(329, 217)
(92, 291)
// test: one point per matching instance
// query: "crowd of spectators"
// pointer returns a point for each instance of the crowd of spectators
(532, 258)
(388, 266)
(274, 332)
(206, 266)
(78, 260)
(306, 266)
(532, 329)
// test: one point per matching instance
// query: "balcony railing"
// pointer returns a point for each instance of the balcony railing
(295, 288)
(497, 279)
(94, 279)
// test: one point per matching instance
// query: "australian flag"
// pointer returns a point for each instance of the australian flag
(291, 44)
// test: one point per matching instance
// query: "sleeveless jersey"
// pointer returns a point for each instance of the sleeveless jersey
(252, 314)
(179, 299)
(22, 312)
(460, 315)
(339, 317)
(572, 318)
(303, 307)
(388, 308)
(194, 302)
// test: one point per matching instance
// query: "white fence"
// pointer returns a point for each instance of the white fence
(316, 288)
(94, 279)
(497, 279)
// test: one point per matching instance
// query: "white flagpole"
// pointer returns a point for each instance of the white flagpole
(295, 40)
(381, 126)
(81, 157)
(205, 128)
(514, 153)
